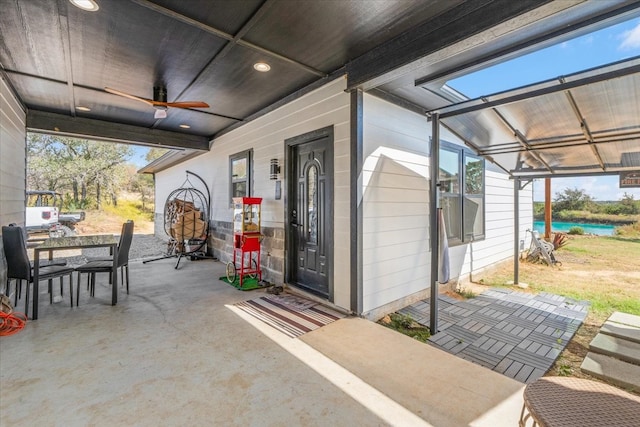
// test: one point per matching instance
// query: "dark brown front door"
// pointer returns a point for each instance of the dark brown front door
(310, 211)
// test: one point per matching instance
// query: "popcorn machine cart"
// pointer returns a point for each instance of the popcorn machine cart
(246, 240)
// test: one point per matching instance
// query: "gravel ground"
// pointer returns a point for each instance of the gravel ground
(143, 246)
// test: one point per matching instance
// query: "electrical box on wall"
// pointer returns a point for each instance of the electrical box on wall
(278, 190)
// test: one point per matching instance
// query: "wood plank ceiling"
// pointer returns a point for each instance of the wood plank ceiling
(58, 57)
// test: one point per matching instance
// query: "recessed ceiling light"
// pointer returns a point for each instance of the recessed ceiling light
(88, 5)
(81, 108)
(263, 67)
(185, 126)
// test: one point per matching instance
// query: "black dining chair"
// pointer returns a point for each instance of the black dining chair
(43, 262)
(105, 265)
(109, 258)
(19, 267)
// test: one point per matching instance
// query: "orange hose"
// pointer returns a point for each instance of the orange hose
(11, 323)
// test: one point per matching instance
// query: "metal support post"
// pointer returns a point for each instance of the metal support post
(433, 221)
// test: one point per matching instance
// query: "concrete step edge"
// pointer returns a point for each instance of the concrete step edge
(618, 372)
(625, 319)
(626, 332)
(627, 351)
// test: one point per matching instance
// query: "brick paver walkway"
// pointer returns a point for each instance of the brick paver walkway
(514, 333)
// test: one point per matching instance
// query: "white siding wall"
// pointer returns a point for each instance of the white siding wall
(12, 163)
(395, 203)
(498, 244)
(395, 191)
(327, 106)
(396, 259)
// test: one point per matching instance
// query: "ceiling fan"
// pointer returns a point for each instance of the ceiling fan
(159, 101)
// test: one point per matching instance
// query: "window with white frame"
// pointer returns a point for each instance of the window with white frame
(462, 193)
(240, 174)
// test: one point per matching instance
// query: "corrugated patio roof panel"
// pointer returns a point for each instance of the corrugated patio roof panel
(481, 129)
(623, 155)
(611, 106)
(542, 117)
(585, 123)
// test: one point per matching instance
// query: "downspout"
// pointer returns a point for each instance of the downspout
(433, 221)
(356, 214)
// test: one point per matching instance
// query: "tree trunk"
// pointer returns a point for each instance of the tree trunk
(75, 192)
(98, 198)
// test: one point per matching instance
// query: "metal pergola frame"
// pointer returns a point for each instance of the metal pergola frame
(566, 84)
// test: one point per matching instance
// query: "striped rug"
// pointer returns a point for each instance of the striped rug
(291, 315)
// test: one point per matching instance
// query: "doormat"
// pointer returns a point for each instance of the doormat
(293, 301)
(248, 284)
(289, 314)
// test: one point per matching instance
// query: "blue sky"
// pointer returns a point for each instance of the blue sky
(139, 154)
(601, 47)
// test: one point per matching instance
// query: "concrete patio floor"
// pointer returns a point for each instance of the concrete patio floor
(175, 352)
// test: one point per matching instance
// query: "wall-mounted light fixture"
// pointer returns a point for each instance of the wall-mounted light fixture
(274, 170)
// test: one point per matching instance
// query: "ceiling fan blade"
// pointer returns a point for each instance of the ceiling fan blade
(182, 104)
(126, 95)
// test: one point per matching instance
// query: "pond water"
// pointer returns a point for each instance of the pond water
(563, 227)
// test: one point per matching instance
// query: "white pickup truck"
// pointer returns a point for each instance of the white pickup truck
(44, 216)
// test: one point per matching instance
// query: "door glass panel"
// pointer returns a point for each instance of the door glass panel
(312, 204)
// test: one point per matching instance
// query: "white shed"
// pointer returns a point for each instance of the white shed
(390, 266)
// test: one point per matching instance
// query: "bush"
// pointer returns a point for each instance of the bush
(576, 230)
(629, 230)
(614, 209)
(538, 209)
(68, 204)
(571, 216)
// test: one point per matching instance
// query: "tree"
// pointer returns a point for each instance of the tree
(572, 200)
(74, 165)
(143, 184)
(629, 206)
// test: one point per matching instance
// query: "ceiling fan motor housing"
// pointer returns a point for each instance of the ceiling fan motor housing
(160, 94)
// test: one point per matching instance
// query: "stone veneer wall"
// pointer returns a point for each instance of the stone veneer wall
(220, 245)
(272, 249)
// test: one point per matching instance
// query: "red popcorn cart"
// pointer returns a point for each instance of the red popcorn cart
(246, 240)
